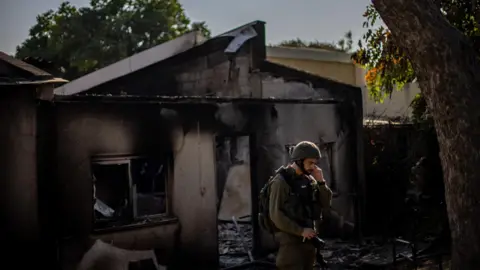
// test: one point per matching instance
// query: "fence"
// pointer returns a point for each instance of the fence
(391, 150)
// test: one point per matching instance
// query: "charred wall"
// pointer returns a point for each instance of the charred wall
(220, 75)
(87, 130)
(194, 188)
(203, 70)
(184, 132)
(18, 168)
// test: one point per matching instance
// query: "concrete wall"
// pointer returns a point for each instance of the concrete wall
(18, 167)
(84, 130)
(196, 74)
(88, 130)
(216, 74)
(398, 105)
(234, 178)
(195, 194)
(341, 72)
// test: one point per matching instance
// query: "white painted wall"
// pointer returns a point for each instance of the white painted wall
(237, 196)
(237, 193)
(396, 106)
(194, 193)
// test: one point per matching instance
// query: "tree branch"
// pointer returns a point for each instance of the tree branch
(437, 50)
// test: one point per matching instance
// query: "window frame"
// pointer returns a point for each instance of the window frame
(136, 220)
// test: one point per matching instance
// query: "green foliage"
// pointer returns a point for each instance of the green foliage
(420, 113)
(343, 45)
(388, 68)
(81, 40)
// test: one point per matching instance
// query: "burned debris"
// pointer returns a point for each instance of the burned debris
(235, 243)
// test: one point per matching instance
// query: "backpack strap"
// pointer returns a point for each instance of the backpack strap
(287, 175)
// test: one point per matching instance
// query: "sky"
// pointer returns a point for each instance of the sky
(322, 20)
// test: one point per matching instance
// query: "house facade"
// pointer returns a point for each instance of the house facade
(338, 66)
(150, 154)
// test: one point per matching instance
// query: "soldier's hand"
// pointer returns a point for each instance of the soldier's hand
(308, 233)
(318, 174)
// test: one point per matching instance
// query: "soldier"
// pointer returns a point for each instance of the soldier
(298, 194)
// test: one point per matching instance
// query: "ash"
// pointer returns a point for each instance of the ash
(232, 250)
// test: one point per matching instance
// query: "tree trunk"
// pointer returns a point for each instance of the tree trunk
(448, 71)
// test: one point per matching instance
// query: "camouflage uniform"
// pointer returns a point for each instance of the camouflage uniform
(296, 201)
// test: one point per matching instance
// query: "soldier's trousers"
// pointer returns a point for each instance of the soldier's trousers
(293, 253)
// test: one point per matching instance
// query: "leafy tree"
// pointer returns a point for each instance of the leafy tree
(81, 40)
(388, 68)
(343, 45)
(443, 57)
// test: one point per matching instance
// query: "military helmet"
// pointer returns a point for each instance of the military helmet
(304, 150)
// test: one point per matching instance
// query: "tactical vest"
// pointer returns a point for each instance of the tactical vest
(302, 205)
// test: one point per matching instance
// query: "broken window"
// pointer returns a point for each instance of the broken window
(128, 190)
(325, 163)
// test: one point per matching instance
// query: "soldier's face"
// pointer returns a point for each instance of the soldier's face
(309, 164)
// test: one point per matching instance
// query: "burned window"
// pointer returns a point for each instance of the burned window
(128, 190)
(325, 163)
(150, 189)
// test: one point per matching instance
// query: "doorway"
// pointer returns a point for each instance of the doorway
(234, 203)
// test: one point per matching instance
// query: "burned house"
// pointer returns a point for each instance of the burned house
(155, 151)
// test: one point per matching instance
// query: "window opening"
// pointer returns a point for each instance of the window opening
(128, 190)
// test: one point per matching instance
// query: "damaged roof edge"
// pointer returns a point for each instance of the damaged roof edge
(155, 55)
(132, 63)
(184, 100)
(234, 32)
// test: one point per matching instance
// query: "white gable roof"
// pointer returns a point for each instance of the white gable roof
(132, 63)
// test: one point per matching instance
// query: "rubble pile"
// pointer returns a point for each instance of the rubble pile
(348, 255)
(234, 242)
